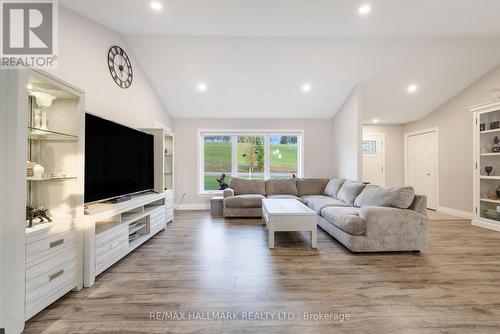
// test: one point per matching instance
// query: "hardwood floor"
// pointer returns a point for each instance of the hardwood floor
(214, 265)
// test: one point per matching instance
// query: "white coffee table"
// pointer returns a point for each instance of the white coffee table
(287, 215)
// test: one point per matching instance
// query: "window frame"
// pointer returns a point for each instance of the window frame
(233, 133)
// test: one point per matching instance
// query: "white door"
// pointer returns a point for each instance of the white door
(422, 165)
(374, 159)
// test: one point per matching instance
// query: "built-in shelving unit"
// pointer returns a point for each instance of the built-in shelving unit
(54, 134)
(164, 166)
(485, 186)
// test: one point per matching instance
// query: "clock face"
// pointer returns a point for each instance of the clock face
(120, 67)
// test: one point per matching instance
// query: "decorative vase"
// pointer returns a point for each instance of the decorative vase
(488, 169)
(38, 171)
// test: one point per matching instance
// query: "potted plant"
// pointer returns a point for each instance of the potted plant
(222, 182)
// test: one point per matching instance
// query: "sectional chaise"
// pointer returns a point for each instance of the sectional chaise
(364, 218)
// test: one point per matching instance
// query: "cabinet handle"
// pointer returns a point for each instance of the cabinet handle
(56, 275)
(56, 243)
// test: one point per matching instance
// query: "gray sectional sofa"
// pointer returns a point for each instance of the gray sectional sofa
(364, 218)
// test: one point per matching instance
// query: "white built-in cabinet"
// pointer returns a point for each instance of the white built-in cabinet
(164, 166)
(42, 120)
(485, 186)
(45, 118)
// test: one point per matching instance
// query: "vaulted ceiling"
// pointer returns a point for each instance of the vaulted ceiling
(255, 56)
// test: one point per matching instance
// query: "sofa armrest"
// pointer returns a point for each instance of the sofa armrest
(228, 192)
(419, 204)
(392, 228)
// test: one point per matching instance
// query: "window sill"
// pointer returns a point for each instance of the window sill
(210, 193)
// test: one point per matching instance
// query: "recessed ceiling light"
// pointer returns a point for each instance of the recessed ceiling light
(202, 87)
(375, 120)
(306, 88)
(156, 5)
(364, 10)
(412, 88)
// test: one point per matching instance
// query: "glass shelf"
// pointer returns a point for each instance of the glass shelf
(495, 201)
(41, 134)
(50, 178)
(490, 154)
(489, 131)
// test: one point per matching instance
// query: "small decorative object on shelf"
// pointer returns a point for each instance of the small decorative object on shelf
(492, 214)
(44, 101)
(39, 213)
(30, 172)
(222, 182)
(493, 197)
(38, 171)
(494, 125)
(482, 126)
(498, 192)
(495, 148)
(133, 236)
(488, 170)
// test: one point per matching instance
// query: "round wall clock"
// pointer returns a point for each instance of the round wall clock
(120, 67)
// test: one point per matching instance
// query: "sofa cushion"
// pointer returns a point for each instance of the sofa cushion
(247, 186)
(244, 201)
(345, 218)
(286, 197)
(311, 186)
(397, 197)
(281, 187)
(349, 191)
(333, 187)
(319, 202)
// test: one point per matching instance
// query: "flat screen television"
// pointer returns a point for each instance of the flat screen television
(119, 160)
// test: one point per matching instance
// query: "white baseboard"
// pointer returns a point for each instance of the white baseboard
(191, 207)
(455, 212)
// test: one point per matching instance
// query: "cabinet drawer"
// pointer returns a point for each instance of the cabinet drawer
(47, 282)
(111, 248)
(44, 231)
(158, 226)
(102, 239)
(52, 244)
(157, 215)
(108, 259)
(47, 271)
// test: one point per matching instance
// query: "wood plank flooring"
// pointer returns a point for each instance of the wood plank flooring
(214, 265)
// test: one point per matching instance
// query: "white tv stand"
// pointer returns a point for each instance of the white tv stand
(108, 227)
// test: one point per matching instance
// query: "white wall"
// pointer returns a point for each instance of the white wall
(346, 137)
(394, 151)
(318, 159)
(83, 50)
(454, 121)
